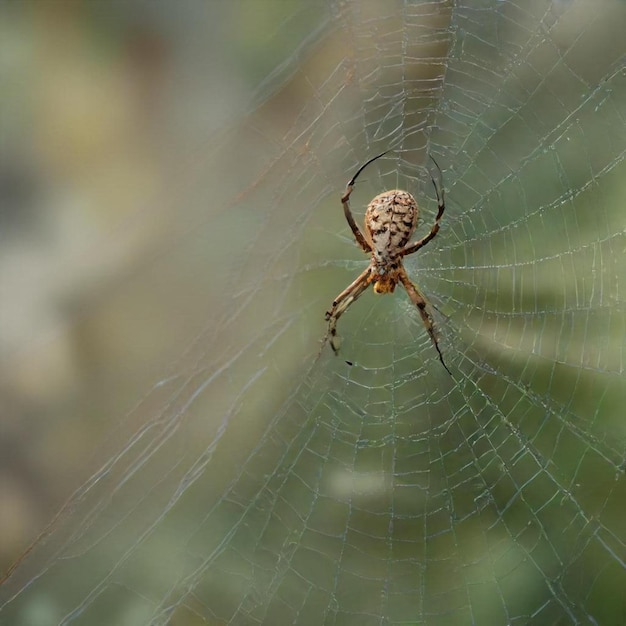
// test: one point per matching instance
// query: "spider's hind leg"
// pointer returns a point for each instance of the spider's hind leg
(341, 304)
(420, 302)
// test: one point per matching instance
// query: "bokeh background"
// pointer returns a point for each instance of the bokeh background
(173, 451)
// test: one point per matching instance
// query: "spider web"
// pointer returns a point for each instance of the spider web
(255, 484)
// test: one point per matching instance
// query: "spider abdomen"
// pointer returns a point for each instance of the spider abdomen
(390, 220)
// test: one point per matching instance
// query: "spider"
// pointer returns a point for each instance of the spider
(390, 220)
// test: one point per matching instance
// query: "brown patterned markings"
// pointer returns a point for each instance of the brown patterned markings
(390, 220)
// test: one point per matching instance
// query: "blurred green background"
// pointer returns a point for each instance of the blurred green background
(171, 236)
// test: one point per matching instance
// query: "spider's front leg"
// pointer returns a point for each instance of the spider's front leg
(341, 304)
(441, 207)
(345, 201)
(420, 302)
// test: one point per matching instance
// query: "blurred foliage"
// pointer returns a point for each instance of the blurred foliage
(171, 236)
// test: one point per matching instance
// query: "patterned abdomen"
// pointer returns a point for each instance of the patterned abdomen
(390, 220)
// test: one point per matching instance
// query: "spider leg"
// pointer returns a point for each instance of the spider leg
(420, 302)
(441, 204)
(345, 201)
(341, 304)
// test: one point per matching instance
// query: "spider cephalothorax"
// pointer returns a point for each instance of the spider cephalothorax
(390, 221)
